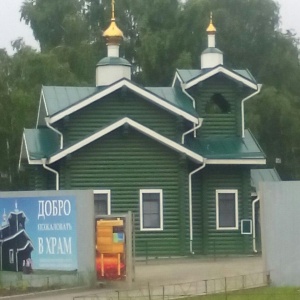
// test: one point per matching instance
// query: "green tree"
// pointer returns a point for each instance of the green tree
(55, 22)
(21, 77)
(162, 35)
(274, 120)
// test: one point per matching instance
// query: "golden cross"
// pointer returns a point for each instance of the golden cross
(113, 9)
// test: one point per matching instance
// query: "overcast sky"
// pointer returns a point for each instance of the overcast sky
(12, 28)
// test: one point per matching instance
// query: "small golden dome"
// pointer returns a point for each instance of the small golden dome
(113, 34)
(211, 28)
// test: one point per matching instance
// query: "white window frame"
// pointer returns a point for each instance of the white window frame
(152, 191)
(108, 193)
(11, 256)
(235, 192)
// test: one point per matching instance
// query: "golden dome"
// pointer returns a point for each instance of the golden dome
(113, 33)
(211, 28)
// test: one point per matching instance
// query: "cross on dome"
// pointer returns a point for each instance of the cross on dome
(113, 34)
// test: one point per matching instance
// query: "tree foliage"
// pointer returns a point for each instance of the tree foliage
(274, 119)
(160, 36)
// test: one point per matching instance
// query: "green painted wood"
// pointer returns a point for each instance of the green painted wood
(114, 107)
(126, 163)
(219, 123)
(207, 239)
(40, 179)
(183, 207)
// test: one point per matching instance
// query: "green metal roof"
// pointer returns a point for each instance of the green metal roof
(188, 75)
(115, 61)
(263, 175)
(219, 147)
(212, 50)
(41, 143)
(174, 96)
(245, 73)
(58, 98)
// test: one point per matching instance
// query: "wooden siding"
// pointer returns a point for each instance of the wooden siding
(125, 162)
(112, 108)
(207, 239)
(41, 179)
(218, 123)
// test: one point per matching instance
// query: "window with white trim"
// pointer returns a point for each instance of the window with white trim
(151, 210)
(102, 203)
(11, 256)
(227, 209)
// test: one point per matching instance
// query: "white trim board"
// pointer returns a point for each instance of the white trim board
(221, 69)
(240, 161)
(152, 134)
(112, 88)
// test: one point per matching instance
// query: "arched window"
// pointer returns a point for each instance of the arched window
(217, 104)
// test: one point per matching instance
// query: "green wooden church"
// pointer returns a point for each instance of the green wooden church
(178, 157)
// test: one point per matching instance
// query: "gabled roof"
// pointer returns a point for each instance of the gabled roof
(188, 75)
(216, 150)
(29, 243)
(58, 98)
(35, 155)
(191, 77)
(63, 101)
(228, 150)
(19, 212)
(21, 232)
(175, 96)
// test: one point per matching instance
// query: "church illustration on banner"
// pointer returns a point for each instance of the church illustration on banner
(15, 244)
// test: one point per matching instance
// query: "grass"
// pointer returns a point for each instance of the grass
(267, 293)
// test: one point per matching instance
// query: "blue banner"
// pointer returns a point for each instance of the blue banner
(40, 232)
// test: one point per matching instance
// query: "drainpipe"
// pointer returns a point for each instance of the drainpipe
(192, 130)
(194, 105)
(187, 94)
(53, 171)
(191, 204)
(259, 86)
(253, 224)
(55, 130)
